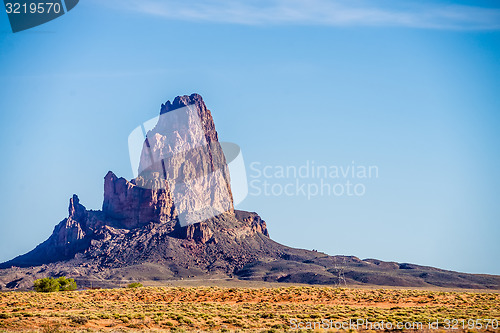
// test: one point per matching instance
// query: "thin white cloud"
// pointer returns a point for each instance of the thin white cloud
(322, 12)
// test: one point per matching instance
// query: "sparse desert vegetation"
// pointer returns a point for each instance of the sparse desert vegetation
(178, 309)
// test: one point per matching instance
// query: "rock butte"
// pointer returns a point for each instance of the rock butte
(138, 234)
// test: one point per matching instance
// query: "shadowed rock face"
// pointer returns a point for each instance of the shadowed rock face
(131, 205)
(151, 228)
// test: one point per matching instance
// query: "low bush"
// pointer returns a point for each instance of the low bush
(47, 285)
(66, 284)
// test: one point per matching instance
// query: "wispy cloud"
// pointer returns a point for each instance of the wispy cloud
(323, 12)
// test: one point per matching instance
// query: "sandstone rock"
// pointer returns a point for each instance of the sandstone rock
(254, 220)
(131, 205)
(199, 232)
(71, 230)
(183, 149)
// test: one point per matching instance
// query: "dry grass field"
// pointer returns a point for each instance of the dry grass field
(193, 309)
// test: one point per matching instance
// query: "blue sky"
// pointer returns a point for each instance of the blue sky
(411, 88)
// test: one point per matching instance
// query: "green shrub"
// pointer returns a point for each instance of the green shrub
(135, 285)
(47, 285)
(66, 284)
